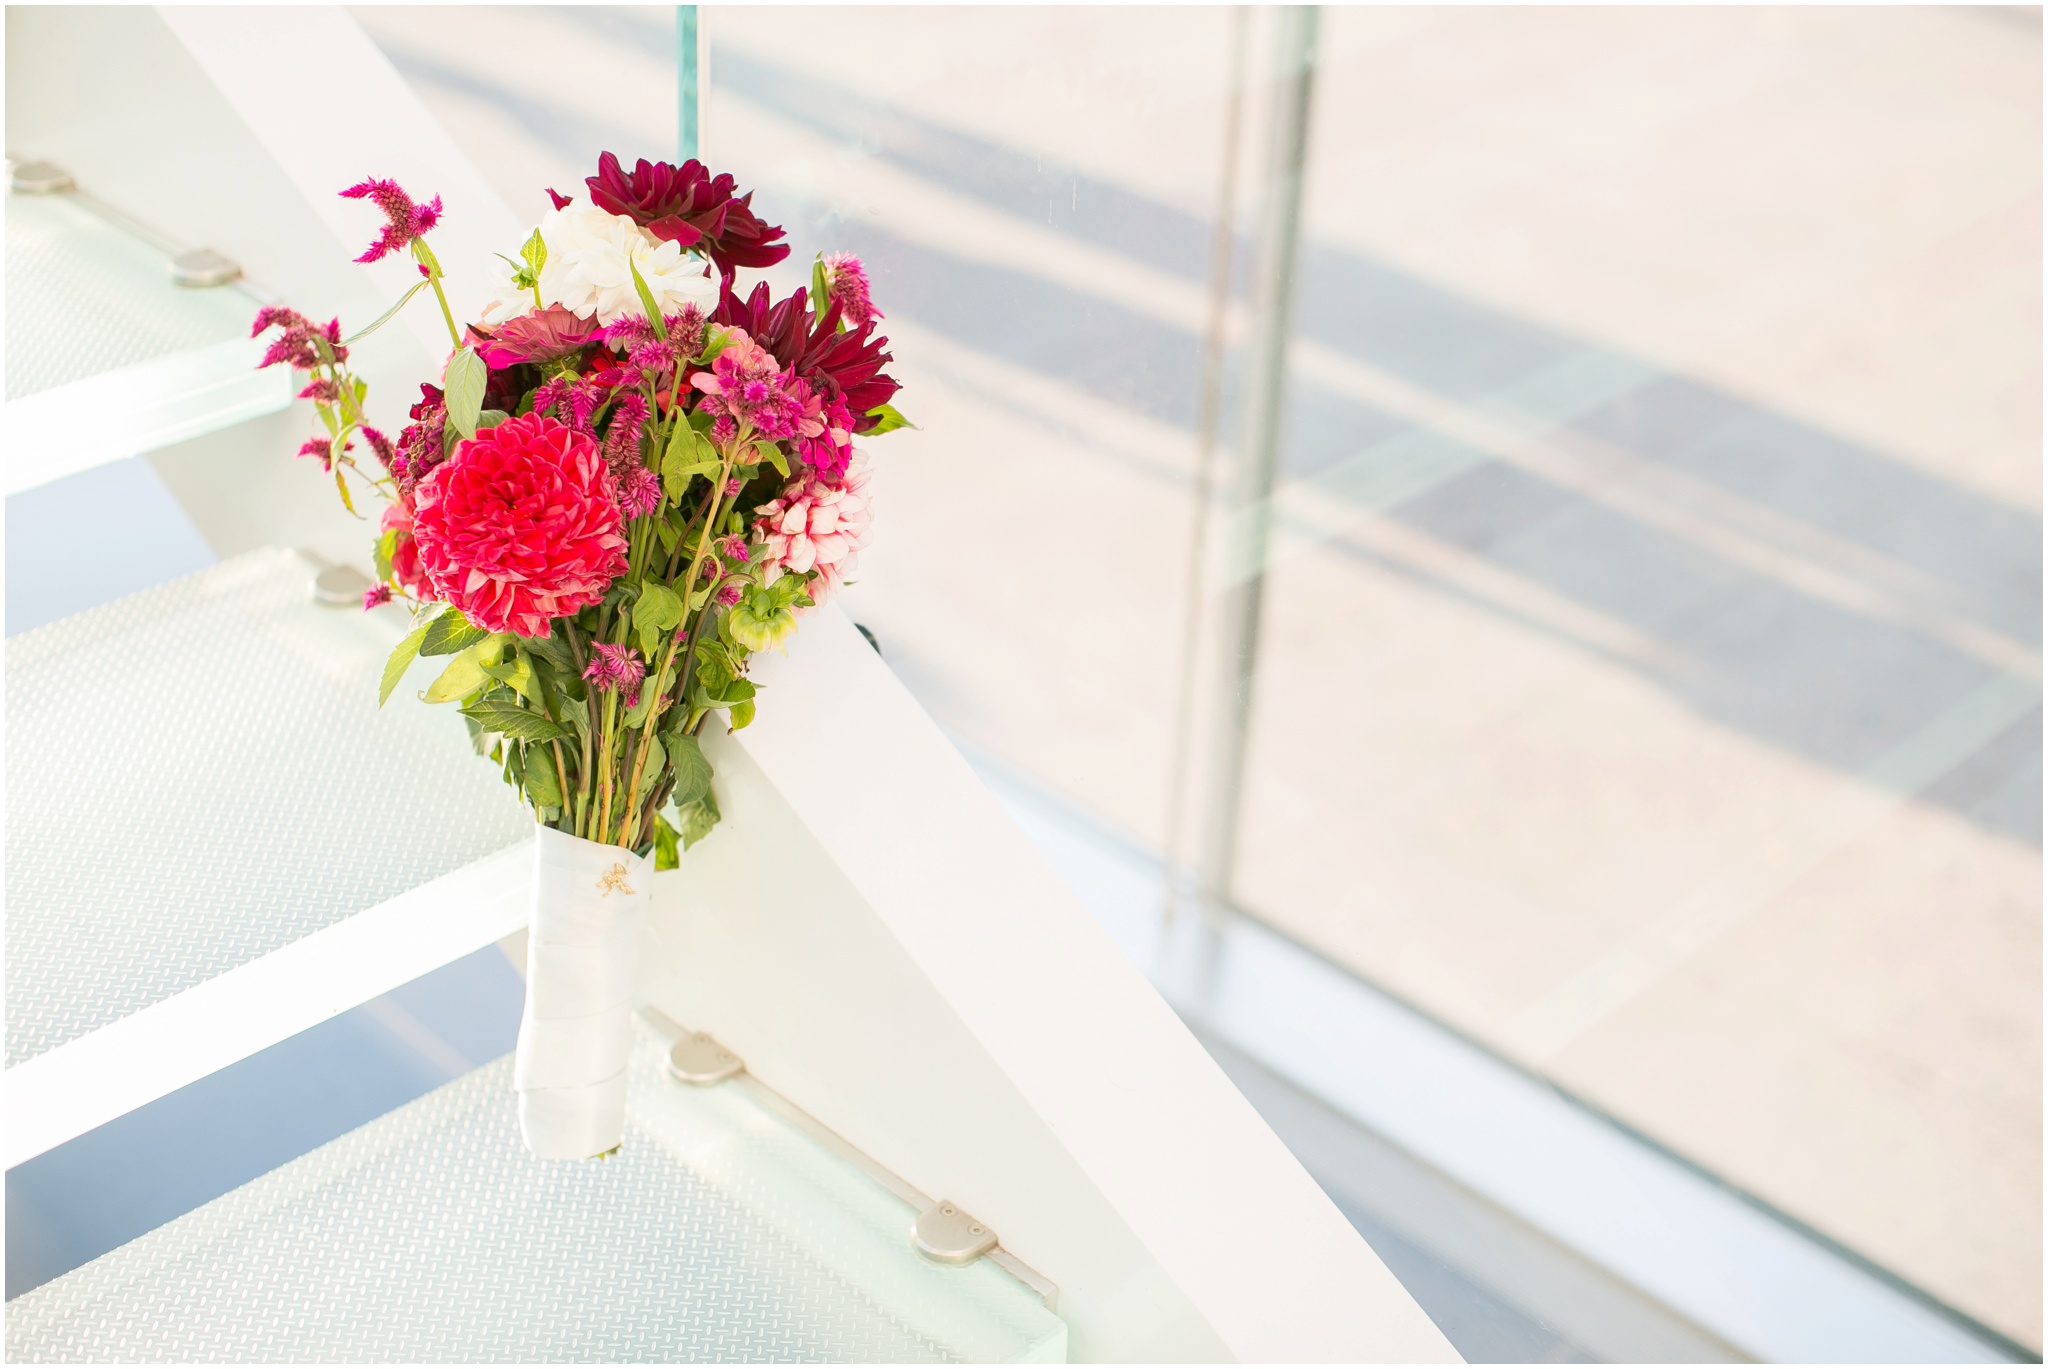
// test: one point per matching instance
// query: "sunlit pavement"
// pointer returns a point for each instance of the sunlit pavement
(1650, 680)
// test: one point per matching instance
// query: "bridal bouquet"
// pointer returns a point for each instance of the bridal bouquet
(629, 479)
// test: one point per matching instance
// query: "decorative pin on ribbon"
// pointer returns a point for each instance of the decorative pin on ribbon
(614, 878)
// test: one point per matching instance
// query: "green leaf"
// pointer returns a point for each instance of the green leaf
(401, 656)
(818, 293)
(689, 454)
(647, 301)
(659, 611)
(384, 318)
(465, 674)
(518, 673)
(576, 713)
(715, 339)
(740, 714)
(543, 787)
(467, 376)
(772, 454)
(535, 253)
(341, 483)
(508, 718)
(664, 844)
(387, 546)
(693, 770)
(450, 633)
(887, 420)
(650, 690)
(490, 418)
(551, 649)
(697, 819)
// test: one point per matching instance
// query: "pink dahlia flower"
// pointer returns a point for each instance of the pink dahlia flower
(540, 336)
(816, 524)
(520, 525)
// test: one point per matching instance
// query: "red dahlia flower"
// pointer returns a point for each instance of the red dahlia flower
(405, 552)
(520, 526)
(687, 205)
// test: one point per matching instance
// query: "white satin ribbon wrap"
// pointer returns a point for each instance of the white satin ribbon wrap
(570, 1069)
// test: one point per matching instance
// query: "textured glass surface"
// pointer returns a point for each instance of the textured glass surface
(85, 298)
(199, 775)
(716, 1233)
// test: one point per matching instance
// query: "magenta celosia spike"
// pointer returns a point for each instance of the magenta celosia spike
(548, 398)
(622, 443)
(406, 220)
(846, 283)
(380, 444)
(729, 593)
(616, 669)
(639, 492)
(322, 448)
(376, 595)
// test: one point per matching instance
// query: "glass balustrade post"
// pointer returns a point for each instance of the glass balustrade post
(1252, 470)
(692, 78)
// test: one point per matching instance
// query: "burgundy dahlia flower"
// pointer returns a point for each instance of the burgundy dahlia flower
(420, 444)
(405, 220)
(687, 205)
(520, 526)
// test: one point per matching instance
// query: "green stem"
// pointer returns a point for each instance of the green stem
(656, 707)
(447, 314)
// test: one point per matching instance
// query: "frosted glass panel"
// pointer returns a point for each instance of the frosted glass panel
(717, 1233)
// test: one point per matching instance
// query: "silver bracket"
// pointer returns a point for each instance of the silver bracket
(697, 1058)
(944, 1233)
(39, 178)
(202, 269)
(340, 586)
